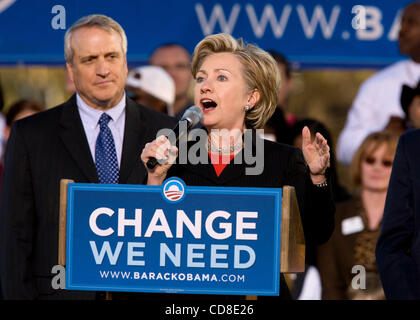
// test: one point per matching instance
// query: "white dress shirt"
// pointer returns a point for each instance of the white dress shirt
(90, 118)
(377, 100)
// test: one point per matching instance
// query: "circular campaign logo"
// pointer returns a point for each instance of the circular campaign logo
(173, 190)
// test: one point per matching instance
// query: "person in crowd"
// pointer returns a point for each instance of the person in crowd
(176, 60)
(410, 102)
(68, 142)
(398, 249)
(236, 85)
(378, 98)
(278, 126)
(152, 87)
(18, 110)
(347, 261)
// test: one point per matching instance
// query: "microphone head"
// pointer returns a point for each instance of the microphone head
(193, 115)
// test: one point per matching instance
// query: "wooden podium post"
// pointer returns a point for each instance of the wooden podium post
(62, 226)
(292, 252)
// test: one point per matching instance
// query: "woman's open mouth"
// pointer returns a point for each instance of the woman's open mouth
(208, 104)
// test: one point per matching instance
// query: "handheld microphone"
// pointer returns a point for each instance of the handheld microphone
(190, 118)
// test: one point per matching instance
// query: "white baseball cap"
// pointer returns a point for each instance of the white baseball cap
(155, 81)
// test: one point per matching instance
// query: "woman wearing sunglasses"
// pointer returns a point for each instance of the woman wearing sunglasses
(347, 261)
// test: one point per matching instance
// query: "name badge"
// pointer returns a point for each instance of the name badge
(352, 225)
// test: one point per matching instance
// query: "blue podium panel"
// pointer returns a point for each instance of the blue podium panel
(173, 238)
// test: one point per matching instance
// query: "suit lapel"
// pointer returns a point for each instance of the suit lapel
(204, 170)
(73, 136)
(136, 134)
(233, 170)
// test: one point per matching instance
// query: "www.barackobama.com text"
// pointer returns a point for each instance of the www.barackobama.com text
(171, 276)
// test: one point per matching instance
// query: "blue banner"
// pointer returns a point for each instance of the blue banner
(173, 238)
(308, 32)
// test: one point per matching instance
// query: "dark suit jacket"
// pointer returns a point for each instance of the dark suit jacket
(398, 247)
(283, 165)
(43, 149)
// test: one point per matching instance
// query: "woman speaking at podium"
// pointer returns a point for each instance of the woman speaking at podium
(236, 87)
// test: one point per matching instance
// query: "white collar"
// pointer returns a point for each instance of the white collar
(93, 115)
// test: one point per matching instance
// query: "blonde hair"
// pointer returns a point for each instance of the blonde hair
(371, 142)
(260, 71)
(94, 20)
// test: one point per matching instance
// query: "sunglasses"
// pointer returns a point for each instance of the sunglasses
(385, 163)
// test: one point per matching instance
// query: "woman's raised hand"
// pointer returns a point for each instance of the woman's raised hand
(316, 153)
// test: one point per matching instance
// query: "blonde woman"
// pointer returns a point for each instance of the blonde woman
(358, 221)
(236, 86)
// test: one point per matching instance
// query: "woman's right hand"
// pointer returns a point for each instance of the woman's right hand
(165, 153)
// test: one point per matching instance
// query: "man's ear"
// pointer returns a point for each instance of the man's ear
(126, 65)
(69, 71)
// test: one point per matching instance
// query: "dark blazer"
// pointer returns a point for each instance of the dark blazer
(283, 165)
(398, 247)
(42, 149)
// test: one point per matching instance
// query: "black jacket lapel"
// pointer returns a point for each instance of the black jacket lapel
(205, 170)
(136, 134)
(233, 170)
(237, 168)
(74, 138)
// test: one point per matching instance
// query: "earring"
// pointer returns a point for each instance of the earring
(247, 107)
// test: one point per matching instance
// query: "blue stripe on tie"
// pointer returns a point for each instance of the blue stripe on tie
(105, 153)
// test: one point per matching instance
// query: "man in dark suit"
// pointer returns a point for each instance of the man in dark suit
(63, 142)
(398, 247)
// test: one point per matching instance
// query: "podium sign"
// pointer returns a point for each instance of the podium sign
(173, 238)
